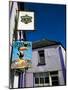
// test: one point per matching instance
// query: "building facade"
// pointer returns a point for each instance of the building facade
(48, 66)
(48, 59)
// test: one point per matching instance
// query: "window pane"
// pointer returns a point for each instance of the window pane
(46, 79)
(41, 52)
(41, 57)
(41, 80)
(55, 83)
(42, 60)
(54, 72)
(36, 80)
(55, 78)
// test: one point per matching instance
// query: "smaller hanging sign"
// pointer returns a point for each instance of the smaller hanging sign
(25, 20)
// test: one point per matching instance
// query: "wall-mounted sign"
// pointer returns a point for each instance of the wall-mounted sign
(25, 20)
(21, 55)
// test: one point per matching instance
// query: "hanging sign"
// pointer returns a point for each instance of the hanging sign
(21, 55)
(25, 20)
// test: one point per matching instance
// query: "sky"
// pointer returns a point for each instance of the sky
(50, 22)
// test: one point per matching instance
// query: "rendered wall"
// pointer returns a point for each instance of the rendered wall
(52, 60)
(29, 79)
(12, 21)
(61, 80)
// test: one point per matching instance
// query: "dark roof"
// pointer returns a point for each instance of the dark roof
(43, 43)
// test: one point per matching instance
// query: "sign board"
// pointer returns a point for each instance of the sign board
(25, 20)
(21, 55)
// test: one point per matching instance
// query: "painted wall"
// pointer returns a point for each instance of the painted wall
(53, 63)
(12, 15)
(29, 79)
(61, 79)
(16, 78)
(52, 60)
(62, 60)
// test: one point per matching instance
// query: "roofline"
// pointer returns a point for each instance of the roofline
(58, 43)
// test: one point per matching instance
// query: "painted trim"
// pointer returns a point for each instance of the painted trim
(62, 64)
(20, 84)
(10, 9)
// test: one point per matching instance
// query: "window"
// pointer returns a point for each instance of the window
(41, 79)
(41, 57)
(36, 80)
(46, 79)
(56, 83)
(54, 78)
(53, 73)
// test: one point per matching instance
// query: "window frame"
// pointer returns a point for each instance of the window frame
(43, 75)
(54, 75)
(41, 84)
(39, 57)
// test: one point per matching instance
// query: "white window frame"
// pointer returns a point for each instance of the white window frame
(50, 79)
(54, 76)
(44, 84)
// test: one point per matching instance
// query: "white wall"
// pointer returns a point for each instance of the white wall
(53, 63)
(12, 22)
(52, 60)
(15, 81)
(29, 79)
(61, 79)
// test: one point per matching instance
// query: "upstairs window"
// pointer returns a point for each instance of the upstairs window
(41, 57)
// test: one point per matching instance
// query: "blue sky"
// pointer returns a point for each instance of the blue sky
(50, 22)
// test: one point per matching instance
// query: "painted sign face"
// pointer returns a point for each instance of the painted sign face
(21, 55)
(26, 20)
